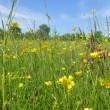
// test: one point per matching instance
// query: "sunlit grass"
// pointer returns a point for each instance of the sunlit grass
(49, 75)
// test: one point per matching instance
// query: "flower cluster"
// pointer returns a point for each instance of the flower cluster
(48, 83)
(67, 82)
(104, 83)
(95, 55)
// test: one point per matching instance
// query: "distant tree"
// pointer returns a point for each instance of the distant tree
(30, 34)
(98, 35)
(44, 28)
(68, 37)
(43, 31)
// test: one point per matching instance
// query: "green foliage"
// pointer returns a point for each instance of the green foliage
(43, 32)
(44, 28)
(50, 60)
(29, 34)
(1, 33)
(15, 29)
(71, 37)
(68, 37)
(98, 35)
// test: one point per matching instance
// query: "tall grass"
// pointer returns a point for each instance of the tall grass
(32, 69)
(31, 63)
(3, 51)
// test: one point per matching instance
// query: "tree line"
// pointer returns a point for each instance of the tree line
(15, 32)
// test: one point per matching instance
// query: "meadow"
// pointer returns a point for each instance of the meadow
(44, 71)
(54, 75)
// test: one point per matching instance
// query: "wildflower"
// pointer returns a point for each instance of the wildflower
(104, 83)
(48, 83)
(66, 82)
(34, 50)
(107, 85)
(109, 54)
(15, 24)
(64, 49)
(83, 55)
(8, 73)
(55, 105)
(14, 57)
(63, 69)
(85, 61)
(94, 55)
(78, 73)
(106, 40)
(21, 85)
(61, 80)
(90, 35)
(28, 77)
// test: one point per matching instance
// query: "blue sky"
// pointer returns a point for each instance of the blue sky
(65, 14)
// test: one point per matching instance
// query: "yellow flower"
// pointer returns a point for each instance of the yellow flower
(62, 79)
(83, 55)
(109, 54)
(85, 61)
(78, 73)
(106, 40)
(88, 109)
(15, 24)
(89, 35)
(8, 73)
(14, 57)
(63, 69)
(70, 82)
(34, 50)
(94, 55)
(107, 85)
(20, 85)
(66, 82)
(48, 83)
(104, 83)
(28, 77)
